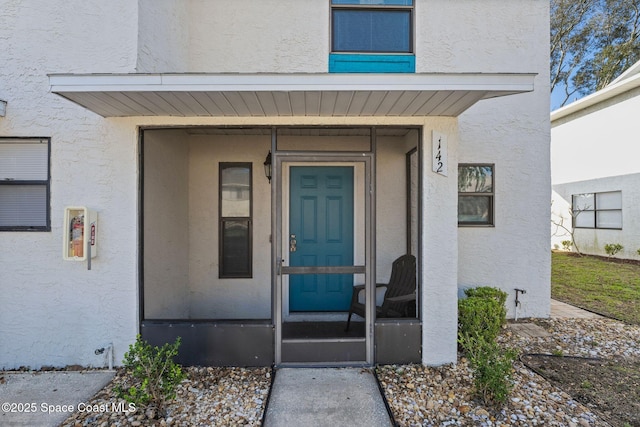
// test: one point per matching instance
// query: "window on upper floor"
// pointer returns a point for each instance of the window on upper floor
(476, 194)
(24, 184)
(372, 36)
(597, 210)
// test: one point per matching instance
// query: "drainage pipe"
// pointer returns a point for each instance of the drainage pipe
(110, 356)
(518, 292)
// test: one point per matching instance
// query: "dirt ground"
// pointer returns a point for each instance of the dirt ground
(609, 387)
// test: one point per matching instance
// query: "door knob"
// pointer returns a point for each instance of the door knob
(293, 243)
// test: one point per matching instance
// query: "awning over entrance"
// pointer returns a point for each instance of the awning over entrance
(263, 95)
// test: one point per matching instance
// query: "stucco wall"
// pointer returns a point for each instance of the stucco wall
(599, 142)
(56, 312)
(439, 250)
(163, 38)
(211, 297)
(259, 36)
(487, 35)
(592, 241)
(166, 224)
(513, 133)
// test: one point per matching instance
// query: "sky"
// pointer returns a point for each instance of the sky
(557, 96)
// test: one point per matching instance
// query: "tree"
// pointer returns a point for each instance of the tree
(559, 223)
(592, 43)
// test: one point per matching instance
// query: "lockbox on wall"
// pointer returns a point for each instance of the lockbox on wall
(80, 233)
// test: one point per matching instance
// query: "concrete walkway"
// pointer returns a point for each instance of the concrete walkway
(326, 397)
(560, 310)
(35, 399)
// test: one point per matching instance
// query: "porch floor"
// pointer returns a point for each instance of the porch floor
(322, 330)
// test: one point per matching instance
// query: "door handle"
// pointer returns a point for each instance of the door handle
(293, 243)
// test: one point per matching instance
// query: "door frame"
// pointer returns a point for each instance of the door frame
(277, 244)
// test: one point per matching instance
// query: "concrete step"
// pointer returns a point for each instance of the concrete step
(326, 397)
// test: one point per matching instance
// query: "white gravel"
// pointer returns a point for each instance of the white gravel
(428, 396)
(418, 395)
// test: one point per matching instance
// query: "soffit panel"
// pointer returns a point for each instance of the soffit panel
(259, 95)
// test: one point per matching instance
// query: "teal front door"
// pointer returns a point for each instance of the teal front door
(321, 235)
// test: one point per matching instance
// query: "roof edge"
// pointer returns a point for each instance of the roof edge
(602, 95)
(519, 82)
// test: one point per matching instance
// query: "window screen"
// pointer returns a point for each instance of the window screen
(235, 244)
(373, 26)
(475, 194)
(24, 184)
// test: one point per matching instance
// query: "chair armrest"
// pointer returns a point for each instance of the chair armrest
(403, 298)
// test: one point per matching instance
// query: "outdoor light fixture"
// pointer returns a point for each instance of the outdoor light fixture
(3, 108)
(267, 167)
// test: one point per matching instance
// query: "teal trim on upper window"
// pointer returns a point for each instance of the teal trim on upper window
(362, 63)
(375, 2)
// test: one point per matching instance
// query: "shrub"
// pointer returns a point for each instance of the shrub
(566, 245)
(612, 248)
(492, 368)
(487, 292)
(482, 312)
(481, 315)
(638, 251)
(154, 374)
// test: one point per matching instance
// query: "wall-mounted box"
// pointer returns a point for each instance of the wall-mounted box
(80, 233)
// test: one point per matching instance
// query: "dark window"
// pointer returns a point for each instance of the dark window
(24, 184)
(372, 26)
(597, 210)
(475, 194)
(235, 246)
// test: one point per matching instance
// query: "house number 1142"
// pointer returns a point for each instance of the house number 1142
(439, 142)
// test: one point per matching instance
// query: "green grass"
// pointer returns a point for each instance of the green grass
(607, 287)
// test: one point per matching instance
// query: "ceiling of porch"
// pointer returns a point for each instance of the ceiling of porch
(269, 95)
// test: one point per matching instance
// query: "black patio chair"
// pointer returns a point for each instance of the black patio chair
(400, 293)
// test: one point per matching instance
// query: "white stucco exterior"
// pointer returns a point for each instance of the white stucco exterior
(593, 151)
(56, 312)
(596, 142)
(592, 240)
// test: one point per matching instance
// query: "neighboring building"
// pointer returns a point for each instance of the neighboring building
(595, 168)
(158, 115)
(605, 211)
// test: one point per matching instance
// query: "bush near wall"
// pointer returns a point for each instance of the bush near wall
(481, 316)
(483, 311)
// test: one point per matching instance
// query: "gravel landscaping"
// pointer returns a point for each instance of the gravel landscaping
(442, 396)
(417, 395)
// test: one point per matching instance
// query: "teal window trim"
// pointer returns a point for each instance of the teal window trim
(372, 63)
